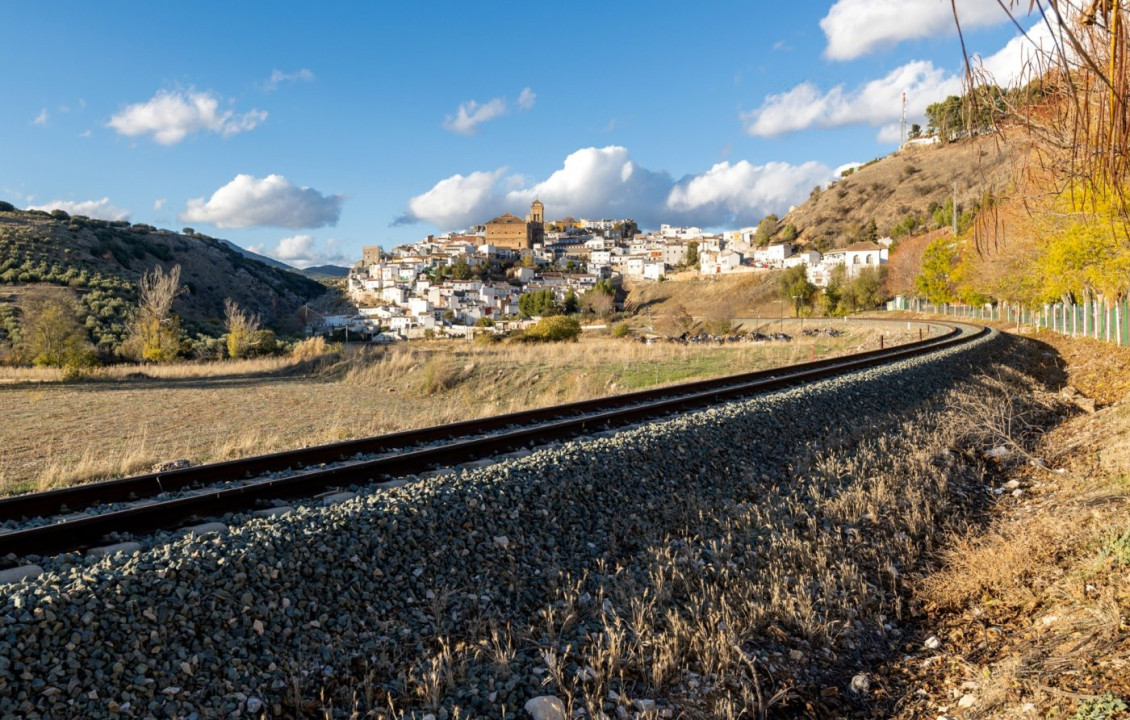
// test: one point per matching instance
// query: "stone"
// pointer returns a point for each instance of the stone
(1012, 485)
(861, 683)
(545, 707)
(967, 701)
(254, 705)
(1000, 452)
(502, 541)
(932, 643)
(19, 574)
(644, 706)
(169, 465)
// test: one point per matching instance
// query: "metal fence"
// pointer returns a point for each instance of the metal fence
(1107, 322)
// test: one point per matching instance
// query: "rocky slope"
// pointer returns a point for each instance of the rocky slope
(908, 182)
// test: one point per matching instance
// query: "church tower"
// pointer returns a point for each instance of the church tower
(537, 212)
(535, 222)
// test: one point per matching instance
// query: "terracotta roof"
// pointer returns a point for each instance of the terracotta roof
(508, 219)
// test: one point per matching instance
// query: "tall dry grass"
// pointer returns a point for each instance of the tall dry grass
(211, 412)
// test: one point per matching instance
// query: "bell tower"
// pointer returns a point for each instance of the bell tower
(535, 223)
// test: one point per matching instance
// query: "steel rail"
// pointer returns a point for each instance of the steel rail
(89, 530)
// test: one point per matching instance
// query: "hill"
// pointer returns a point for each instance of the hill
(99, 262)
(325, 271)
(906, 187)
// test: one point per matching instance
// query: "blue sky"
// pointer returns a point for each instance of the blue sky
(305, 132)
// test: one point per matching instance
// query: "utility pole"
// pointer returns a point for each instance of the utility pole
(955, 208)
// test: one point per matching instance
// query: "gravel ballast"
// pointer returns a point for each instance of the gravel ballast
(276, 610)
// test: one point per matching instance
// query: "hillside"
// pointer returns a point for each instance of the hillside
(910, 182)
(101, 261)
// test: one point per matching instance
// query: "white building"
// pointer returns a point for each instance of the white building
(854, 258)
(773, 255)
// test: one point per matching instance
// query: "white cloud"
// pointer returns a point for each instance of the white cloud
(278, 77)
(272, 201)
(159, 203)
(879, 102)
(170, 117)
(1024, 57)
(471, 114)
(301, 251)
(527, 99)
(606, 182)
(100, 209)
(876, 103)
(743, 193)
(41, 118)
(858, 27)
(457, 201)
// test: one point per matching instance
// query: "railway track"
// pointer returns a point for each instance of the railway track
(310, 471)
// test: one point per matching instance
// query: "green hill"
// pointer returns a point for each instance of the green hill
(99, 262)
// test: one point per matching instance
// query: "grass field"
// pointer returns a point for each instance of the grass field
(122, 421)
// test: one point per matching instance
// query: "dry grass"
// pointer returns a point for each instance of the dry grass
(1033, 608)
(127, 419)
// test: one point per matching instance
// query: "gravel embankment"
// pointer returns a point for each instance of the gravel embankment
(277, 611)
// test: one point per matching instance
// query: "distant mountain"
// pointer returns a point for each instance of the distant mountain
(325, 271)
(100, 262)
(315, 272)
(256, 256)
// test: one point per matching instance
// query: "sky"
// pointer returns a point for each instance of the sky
(304, 131)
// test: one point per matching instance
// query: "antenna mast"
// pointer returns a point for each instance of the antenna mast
(902, 126)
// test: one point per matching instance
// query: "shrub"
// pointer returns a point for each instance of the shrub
(555, 328)
(313, 348)
(621, 330)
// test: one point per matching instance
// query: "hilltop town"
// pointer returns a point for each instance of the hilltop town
(449, 283)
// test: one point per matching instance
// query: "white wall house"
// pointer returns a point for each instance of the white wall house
(774, 255)
(809, 258)
(854, 258)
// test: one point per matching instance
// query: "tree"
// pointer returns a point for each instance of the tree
(766, 229)
(869, 232)
(692, 253)
(915, 132)
(939, 261)
(51, 335)
(571, 304)
(789, 233)
(944, 118)
(538, 303)
(154, 329)
(460, 270)
(600, 303)
(794, 285)
(242, 328)
(864, 292)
